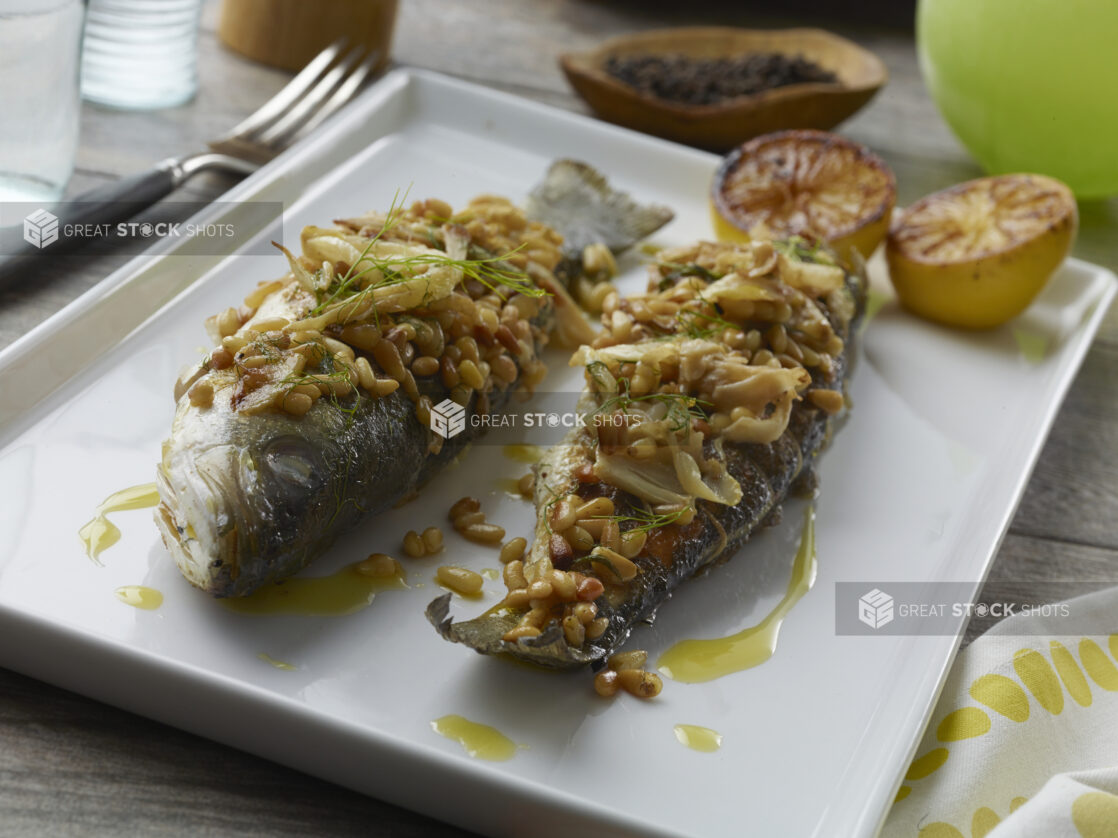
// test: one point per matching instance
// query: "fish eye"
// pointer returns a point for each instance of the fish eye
(295, 464)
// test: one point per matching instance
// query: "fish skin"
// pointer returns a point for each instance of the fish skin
(252, 499)
(284, 487)
(766, 473)
(577, 200)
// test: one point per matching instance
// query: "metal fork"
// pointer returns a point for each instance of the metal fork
(327, 83)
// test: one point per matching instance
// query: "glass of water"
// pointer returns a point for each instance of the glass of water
(40, 47)
(141, 54)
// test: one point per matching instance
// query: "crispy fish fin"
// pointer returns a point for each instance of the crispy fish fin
(483, 634)
(577, 200)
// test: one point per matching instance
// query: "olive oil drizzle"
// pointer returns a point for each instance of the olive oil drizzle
(480, 741)
(99, 533)
(529, 454)
(139, 596)
(696, 661)
(337, 595)
(697, 738)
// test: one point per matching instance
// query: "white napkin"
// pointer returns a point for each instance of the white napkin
(1024, 740)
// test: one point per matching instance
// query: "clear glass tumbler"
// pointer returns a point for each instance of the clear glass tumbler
(141, 54)
(40, 47)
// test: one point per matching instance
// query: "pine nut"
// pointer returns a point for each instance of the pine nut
(829, 401)
(363, 336)
(584, 611)
(388, 358)
(271, 324)
(565, 513)
(386, 386)
(596, 628)
(425, 366)
(640, 683)
(297, 404)
(527, 484)
(468, 519)
(513, 550)
(233, 343)
(579, 538)
(596, 508)
(611, 536)
(540, 589)
(221, 359)
(594, 526)
(574, 631)
(589, 589)
(635, 659)
(432, 539)
(463, 505)
(336, 347)
(413, 545)
(536, 616)
(632, 542)
(514, 575)
(460, 580)
(504, 368)
(563, 585)
(423, 411)
(379, 566)
(228, 322)
(201, 394)
(507, 339)
(365, 374)
(516, 600)
(471, 375)
(606, 683)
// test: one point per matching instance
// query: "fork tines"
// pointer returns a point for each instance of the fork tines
(328, 82)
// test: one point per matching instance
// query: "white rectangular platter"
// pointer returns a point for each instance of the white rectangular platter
(919, 485)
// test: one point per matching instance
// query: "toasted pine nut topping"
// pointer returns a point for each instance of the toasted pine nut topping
(379, 565)
(460, 580)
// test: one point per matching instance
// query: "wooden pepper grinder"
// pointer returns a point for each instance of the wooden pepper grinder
(289, 33)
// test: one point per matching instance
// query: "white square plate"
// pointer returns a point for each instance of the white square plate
(919, 485)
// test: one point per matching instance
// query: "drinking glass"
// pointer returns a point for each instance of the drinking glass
(141, 54)
(40, 45)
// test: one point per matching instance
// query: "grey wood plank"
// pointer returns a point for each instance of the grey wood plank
(1073, 493)
(70, 766)
(1035, 571)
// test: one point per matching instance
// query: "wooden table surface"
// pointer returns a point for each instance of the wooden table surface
(72, 766)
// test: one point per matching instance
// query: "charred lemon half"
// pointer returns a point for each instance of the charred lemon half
(975, 255)
(806, 183)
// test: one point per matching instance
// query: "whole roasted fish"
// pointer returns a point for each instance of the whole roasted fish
(706, 400)
(314, 411)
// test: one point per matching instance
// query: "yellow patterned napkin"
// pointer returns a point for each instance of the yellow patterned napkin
(1024, 740)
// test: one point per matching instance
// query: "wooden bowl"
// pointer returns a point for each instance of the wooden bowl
(724, 125)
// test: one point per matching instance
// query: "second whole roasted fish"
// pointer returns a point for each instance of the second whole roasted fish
(707, 399)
